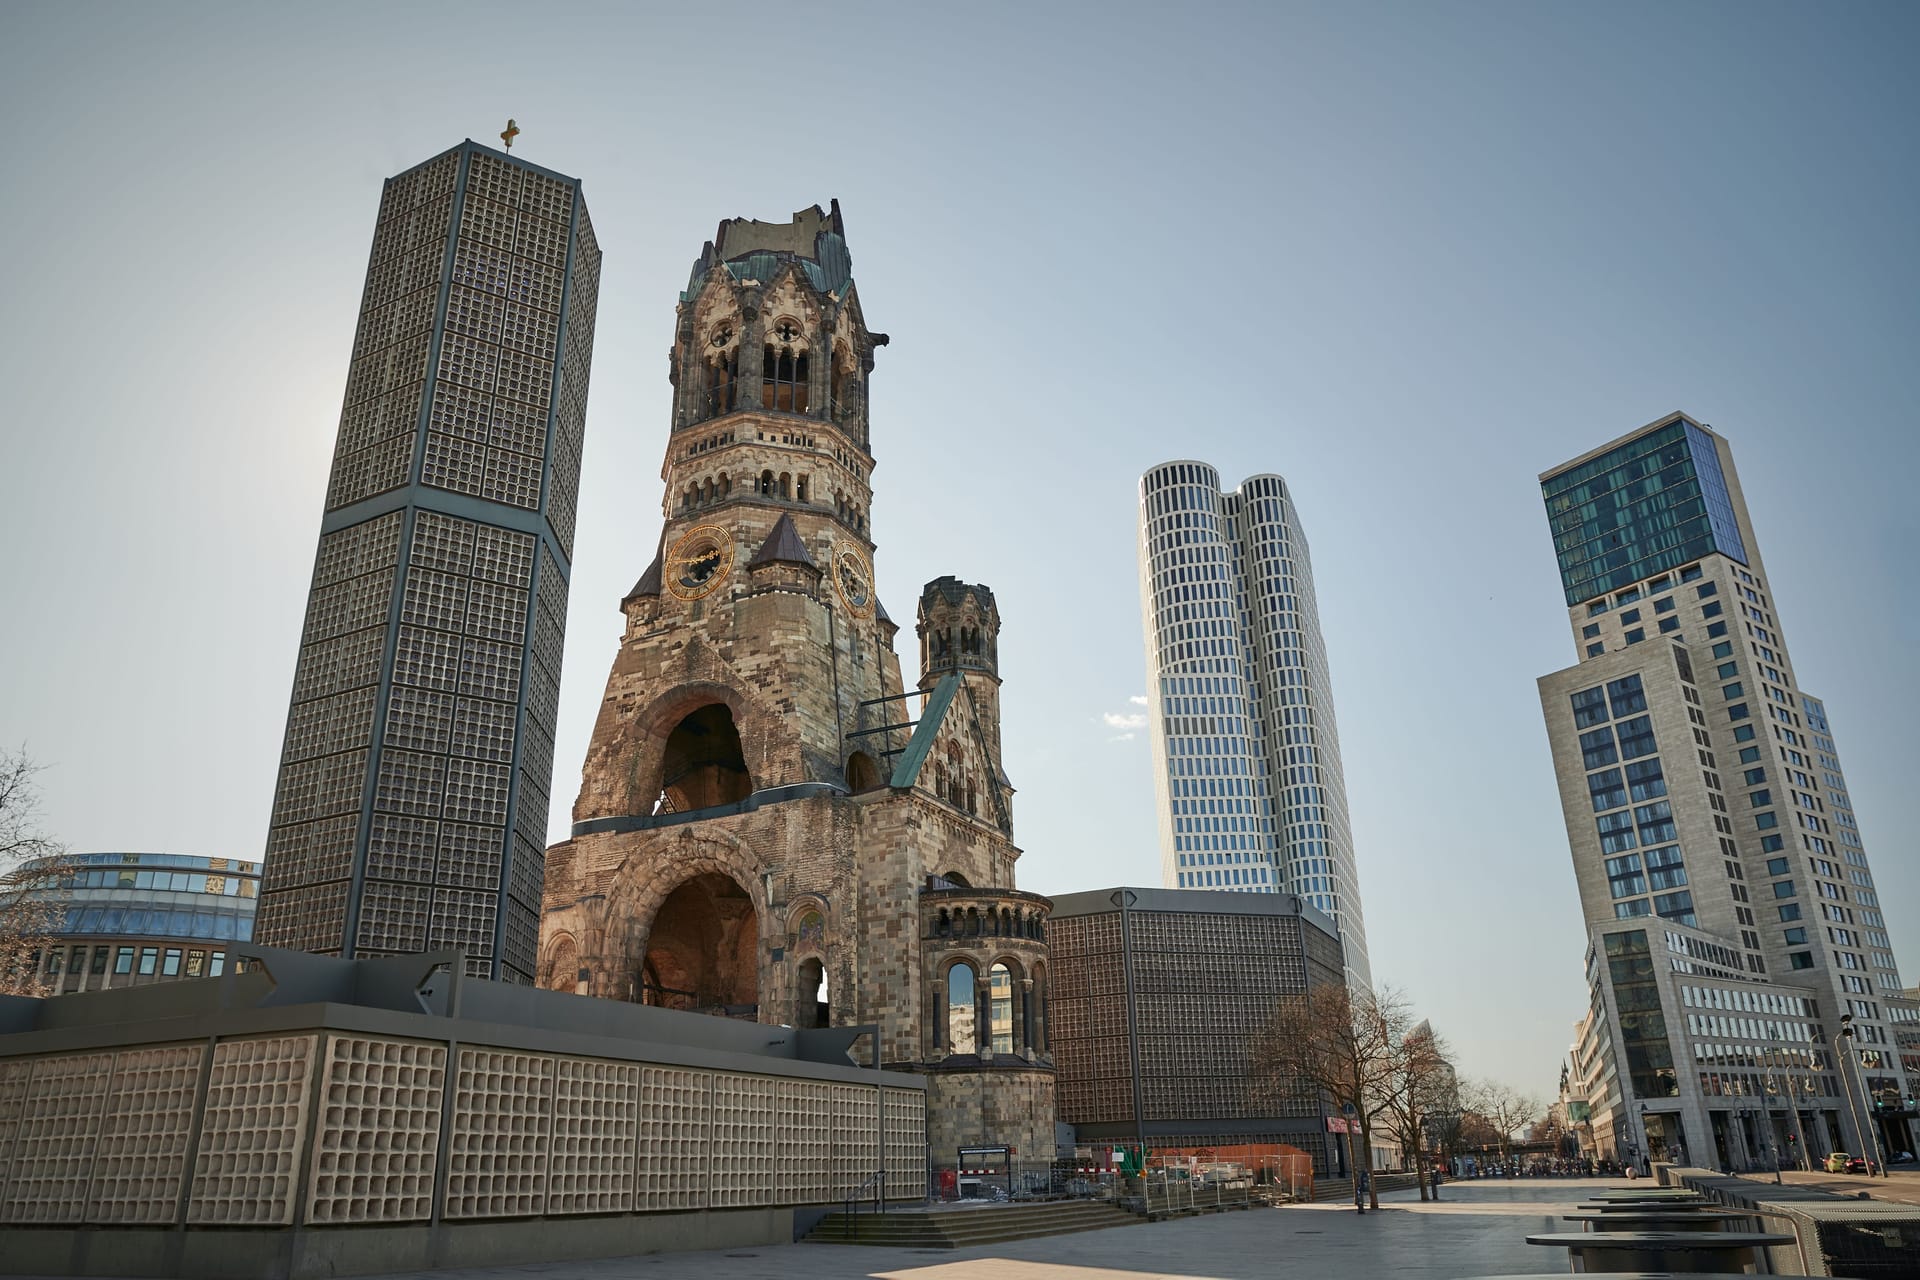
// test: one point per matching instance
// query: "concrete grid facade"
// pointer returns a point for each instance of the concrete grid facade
(1251, 793)
(1731, 908)
(411, 809)
(1188, 980)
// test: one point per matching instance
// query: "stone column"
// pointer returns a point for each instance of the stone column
(1026, 1045)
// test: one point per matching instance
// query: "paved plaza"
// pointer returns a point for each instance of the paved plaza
(1478, 1229)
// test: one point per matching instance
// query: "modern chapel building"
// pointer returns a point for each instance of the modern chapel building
(1743, 985)
(1246, 756)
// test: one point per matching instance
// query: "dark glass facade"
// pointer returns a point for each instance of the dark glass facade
(1648, 505)
(127, 919)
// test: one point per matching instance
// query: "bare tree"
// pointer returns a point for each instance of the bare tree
(1421, 1090)
(1336, 1044)
(31, 866)
(1505, 1109)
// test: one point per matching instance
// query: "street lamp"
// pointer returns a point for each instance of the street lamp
(1849, 1048)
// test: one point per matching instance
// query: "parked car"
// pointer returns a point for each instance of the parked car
(1841, 1162)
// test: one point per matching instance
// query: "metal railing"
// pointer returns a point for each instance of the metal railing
(877, 1181)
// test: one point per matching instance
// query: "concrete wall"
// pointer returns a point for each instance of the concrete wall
(334, 1139)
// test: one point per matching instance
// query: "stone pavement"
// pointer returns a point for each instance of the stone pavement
(1478, 1229)
(1903, 1187)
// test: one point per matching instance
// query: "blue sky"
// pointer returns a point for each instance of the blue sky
(1406, 256)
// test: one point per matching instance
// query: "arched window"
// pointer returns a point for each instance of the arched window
(783, 372)
(962, 1015)
(722, 377)
(766, 484)
(1000, 1017)
(786, 484)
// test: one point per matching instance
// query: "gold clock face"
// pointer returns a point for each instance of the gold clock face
(854, 581)
(698, 562)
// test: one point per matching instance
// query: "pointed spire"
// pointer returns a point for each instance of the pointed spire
(649, 584)
(783, 545)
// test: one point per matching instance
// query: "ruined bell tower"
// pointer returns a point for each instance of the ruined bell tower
(771, 824)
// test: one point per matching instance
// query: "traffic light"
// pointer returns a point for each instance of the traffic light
(1791, 1140)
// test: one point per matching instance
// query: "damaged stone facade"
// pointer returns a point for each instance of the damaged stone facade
(771, 825)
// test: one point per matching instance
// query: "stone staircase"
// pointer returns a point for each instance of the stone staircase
(960, 1228)
(1340, 1190)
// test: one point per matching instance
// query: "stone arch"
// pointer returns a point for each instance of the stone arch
(694, 928)
(807, 918)
(560, 963)
(862, 773)
(958, 878)
(702, 763)
(650, 875)
(647, 733)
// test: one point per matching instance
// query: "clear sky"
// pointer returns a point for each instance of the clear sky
(1407, 256)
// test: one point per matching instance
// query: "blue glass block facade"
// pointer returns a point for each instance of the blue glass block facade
(1650, 504)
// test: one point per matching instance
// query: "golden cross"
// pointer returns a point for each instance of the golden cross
(508, 134)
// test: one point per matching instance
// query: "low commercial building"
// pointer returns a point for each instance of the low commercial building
(1159, 1000)
(127, 919)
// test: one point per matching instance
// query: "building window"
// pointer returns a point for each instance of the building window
(149, 958)
(1743, 733)
(170, 966)
(1783, 888)
(1596, 748)
(1627, 696)
(1776, 866)
(1707, 589)
(1630, 617)
(1607, 789)
(123, 960)
(1589, 707)
(1589, 631)
(1646, 780)
(1796, 937)
(1766, 821)
(1636, 635)
(1800, 959)
(1738, 711)
(1772, 844)
(1723, 650)
(1595, 649)
(1715, 630)
(1669, 625)
(1663, 605)
(1690, 573)
(1636, 738)
(1762, 797)
(1790, 911)
(1597, 608)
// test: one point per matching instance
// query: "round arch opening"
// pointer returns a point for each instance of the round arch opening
(703, 950)
(703, 765)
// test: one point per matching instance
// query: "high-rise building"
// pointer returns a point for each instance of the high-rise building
(1246, 757)
(1732, 916)
(411, 811)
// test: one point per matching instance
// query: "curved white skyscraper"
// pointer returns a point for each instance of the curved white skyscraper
(1246, 756)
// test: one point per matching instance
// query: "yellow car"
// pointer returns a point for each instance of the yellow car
(1837, 1162)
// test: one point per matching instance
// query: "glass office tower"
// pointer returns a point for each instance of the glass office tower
(1732, 915)
(411, 810)
(1246, 754)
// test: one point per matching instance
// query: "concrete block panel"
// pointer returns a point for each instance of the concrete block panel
(253, 1131)
(142, 1153)
(379, 1133)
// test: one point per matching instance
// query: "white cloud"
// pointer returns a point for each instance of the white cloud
(1125, 720)
(1138, 699)
(1124, 737)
